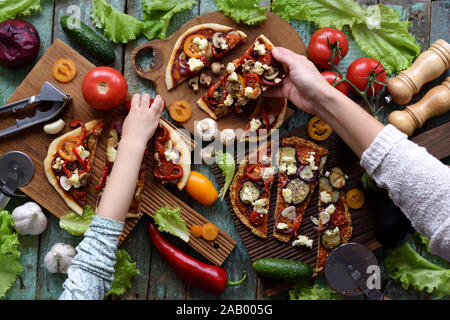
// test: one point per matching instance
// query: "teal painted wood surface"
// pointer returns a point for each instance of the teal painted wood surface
(157, 281)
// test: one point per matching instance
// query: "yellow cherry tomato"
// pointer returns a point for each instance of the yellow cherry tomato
(201, 188)
(64, 70)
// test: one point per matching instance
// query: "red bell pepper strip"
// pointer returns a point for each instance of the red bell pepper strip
(75, 123)
(204, 276)
(103, 179)
(168, 171)
(66, 171)
(165, 134)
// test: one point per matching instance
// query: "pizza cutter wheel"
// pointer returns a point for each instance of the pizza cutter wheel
(347, 271)
(16, 170)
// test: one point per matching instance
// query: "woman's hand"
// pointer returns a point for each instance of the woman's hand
(304, 85)
(142, 119)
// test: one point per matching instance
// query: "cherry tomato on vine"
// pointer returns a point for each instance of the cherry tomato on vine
(332, 77)
(104, 88)
(321, 46)
(362, 69)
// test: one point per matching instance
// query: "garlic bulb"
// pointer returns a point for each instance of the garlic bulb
(29, 219)
(59, 258)
(227, 136)
(206, 129)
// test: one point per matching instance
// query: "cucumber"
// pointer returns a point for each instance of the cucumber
(282, 269)
(90, 40)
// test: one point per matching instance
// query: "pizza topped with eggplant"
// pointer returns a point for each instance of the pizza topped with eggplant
(299, 162)
(197, 48)
(244, 80)
(69, 162)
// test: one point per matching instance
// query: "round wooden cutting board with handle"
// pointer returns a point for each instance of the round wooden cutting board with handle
(278, 31)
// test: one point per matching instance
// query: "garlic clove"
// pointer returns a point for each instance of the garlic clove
(54, 127)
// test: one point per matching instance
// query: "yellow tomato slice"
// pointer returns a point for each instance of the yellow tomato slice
(65, 148)
(192, 49)
(355, 198)
(64, 70)
(180, 110)
(318, 129)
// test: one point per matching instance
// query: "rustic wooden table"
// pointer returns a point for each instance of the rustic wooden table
(429, 22)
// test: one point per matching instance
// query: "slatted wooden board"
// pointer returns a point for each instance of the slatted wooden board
(35, 142)
(274, 28)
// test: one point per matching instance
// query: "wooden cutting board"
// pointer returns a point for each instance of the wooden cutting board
(362, 219)
(34, 142)
(274, 28)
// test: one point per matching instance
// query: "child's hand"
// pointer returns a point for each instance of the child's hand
(142, 120)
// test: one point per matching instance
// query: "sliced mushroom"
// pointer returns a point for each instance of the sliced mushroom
(217, 67)
(271, 73)
(248, 66)
(205, 80)
(84, 178)
(217, 40)
(193, 83)
(208, 153)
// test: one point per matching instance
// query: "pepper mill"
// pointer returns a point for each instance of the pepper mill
(428, 66)
(434, 103)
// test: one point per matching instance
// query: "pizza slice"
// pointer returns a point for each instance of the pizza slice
(244, 80)
(69, 161)
(334, 223)
(115, 133)
(172, 155)
(250, 190)
(197, 48)
(299, 162)
(268, 116)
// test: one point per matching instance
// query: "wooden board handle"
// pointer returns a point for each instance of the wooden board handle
(155, 70)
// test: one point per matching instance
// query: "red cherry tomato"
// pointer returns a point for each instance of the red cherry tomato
(256, 218)
(319, 47)
(338, 218)
(359, 71)
(104, 88)
(332, 77)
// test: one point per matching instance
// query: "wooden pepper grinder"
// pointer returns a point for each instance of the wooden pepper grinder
(428, 66)
(435, 102)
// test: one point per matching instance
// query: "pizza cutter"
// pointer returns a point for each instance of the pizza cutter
(16, 170)
(49, 93)
(347, 271)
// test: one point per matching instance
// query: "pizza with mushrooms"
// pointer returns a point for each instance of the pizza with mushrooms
(197, 48)
(69, 162)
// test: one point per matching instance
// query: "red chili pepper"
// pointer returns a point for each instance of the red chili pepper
(207, 277)
(166, 170)
(103, 179)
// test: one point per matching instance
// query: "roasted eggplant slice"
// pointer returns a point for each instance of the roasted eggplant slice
(306, 174)
(331, 238)
(299, 189)
(337, 178)
(335, 196)
(249, 193)
(324, 185)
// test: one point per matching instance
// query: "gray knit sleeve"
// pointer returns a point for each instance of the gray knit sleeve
(92, 269)
(417, 182)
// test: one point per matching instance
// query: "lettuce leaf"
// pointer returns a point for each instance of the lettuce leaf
(75, 224)
(411, 269)
(10, 9)
(170, 220)
(227, 165)
(10, 266)
(118, 27)
(378, 29)
(243, 11)
(158, 13)
(124, 270)
(307, 292)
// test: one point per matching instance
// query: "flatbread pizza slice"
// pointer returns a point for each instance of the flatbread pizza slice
(197, 48)
(299, 162)
(250, 190)
(245, 79)
(69, 160)
(172, 156)
(115, 134)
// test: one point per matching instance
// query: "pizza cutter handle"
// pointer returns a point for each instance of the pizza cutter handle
(155, 70)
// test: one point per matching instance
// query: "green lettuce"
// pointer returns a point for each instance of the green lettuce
(158, 13)
(243, 11)
(170, 220)
(124, 270)
(10, 9)
(75, 224)
(226, 163)
(378, 30)
(10, 266)
(411, 269)
(118, 27)
(308, 292)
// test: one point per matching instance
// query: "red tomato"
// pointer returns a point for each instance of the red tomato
(361, 69)
(319, 48)
(333, 77)
(104, 88)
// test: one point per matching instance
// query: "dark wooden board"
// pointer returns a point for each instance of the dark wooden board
(274, 28)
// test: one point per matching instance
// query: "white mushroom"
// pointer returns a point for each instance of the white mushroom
(59, 258)
(54, 127)
(206, 129)
(227, 136)
(208, 153)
